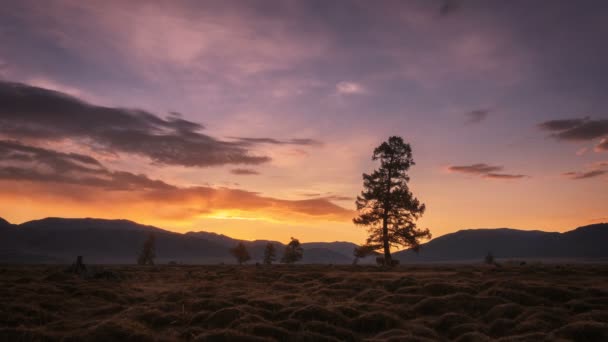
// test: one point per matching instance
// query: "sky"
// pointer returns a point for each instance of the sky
(256, 119)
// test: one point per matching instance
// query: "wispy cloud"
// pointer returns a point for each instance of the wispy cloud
(32, 113)
(582, 129)
(485, 171)
(350, 88)
(244, 172)
(585, 175)
(72, 175)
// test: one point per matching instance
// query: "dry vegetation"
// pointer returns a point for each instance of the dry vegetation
(306, 303)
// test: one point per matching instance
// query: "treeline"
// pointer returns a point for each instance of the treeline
(293, 253)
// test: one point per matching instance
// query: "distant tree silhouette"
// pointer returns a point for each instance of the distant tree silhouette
(293, 252)
(386, 205)
(489, 259)
(240, 253)
(148, 251)
(363, 251)
(269, 253)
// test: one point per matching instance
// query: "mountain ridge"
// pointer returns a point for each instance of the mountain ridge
(59, 240)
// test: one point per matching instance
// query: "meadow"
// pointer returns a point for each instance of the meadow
(305, 303)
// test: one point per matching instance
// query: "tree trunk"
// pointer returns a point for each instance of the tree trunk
(387, 248)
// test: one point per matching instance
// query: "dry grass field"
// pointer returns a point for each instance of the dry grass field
(306, 303)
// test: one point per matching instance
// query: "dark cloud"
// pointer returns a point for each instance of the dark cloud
(477, 169)
(576, 129)
(19, 162)
(585, 175)
(244, 172)
(503, 176)
(485, 171)
(477, 115)
(32, 113)
(328, 195)
(307, 142)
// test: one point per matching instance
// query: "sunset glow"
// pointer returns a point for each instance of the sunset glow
(256, 119)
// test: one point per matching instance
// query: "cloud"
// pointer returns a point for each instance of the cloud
(594, 170)
(476, 169)
(576, 129)
(19, 162)
(585, 175)
(601, 164)
(33, 113)
(244, 172)
(485, 171)
(602, 146)
(349, 88)
(477, 115)
(503, 176)
(272, 141)
(328, 195)
(38, 172)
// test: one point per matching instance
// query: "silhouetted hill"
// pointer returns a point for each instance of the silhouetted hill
(314, 252)
(4, 224)
(59, 240)
(101, 241)
(56, 240)
(474, 244)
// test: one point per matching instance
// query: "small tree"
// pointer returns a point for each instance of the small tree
(293, 252)
(386, 205)
(489, 259)
(269, 253)
(363, 251)
(240, 253)
(148, 251)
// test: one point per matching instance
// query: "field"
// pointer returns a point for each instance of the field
(306, 303)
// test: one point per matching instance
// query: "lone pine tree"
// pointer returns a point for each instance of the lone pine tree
(386, 205)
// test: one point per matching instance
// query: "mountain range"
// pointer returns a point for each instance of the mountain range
(60, 240)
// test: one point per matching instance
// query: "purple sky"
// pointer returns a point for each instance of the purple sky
(504, 103)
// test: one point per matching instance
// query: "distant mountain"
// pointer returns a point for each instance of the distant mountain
(4, 224)
(473, 244)
(60, 240)
(314, 252)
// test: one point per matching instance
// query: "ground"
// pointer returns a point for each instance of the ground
(305, 303)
